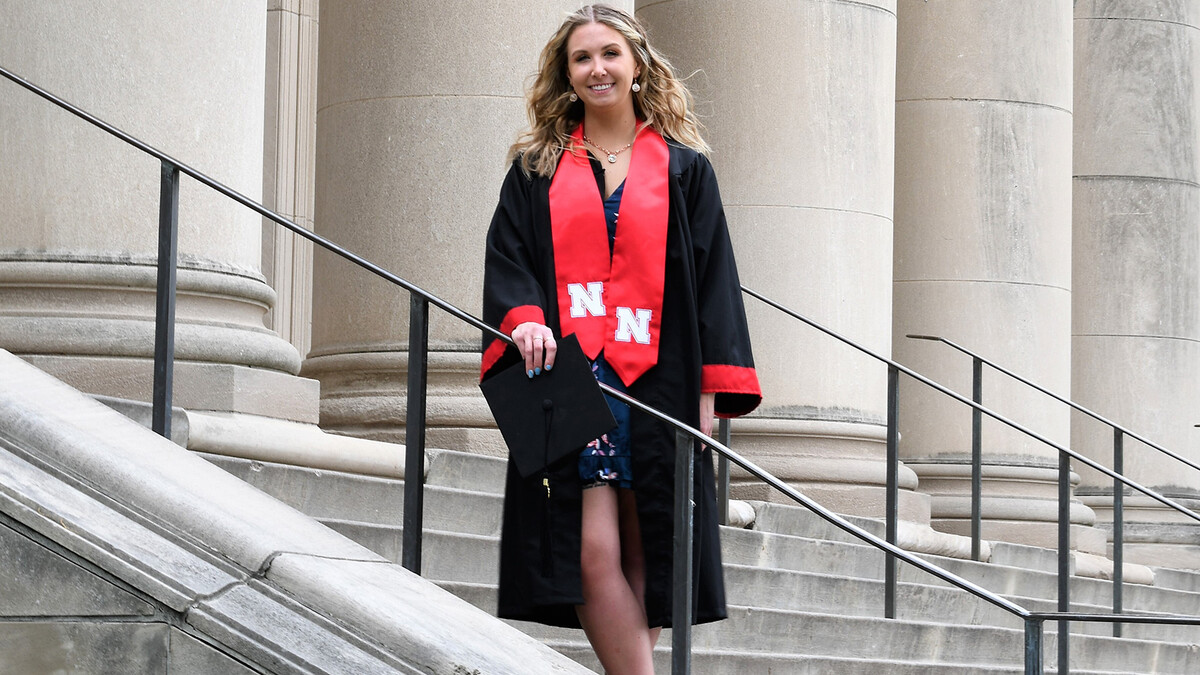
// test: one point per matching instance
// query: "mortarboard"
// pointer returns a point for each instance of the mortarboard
(547, 417)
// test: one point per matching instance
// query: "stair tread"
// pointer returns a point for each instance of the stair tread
(817, 663)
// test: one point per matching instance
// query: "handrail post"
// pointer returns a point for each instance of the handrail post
(893, 490)
(414, 432)
(681, 599)
(976, 460)
(164, 299)
(1064, 560)
(723, 435)
(1033, 646)
(1118, 527)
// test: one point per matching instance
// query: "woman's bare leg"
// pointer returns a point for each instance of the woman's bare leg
(612, 615)
(633, 559)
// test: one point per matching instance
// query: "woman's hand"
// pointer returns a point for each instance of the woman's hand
(708, 407)
(537, 346)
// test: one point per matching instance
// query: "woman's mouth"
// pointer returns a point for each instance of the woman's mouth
(601, 88)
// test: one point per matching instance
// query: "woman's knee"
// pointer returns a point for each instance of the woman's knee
(600, 550)
(597, 567)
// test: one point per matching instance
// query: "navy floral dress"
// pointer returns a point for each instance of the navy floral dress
(608, 459)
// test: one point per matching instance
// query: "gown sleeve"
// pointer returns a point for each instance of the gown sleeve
(727, 367)
(511, 292)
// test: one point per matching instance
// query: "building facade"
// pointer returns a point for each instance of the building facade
(1019, 178)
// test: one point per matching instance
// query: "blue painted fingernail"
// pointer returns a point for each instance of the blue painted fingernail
(548, 367)
(537, 371)
(529, 373)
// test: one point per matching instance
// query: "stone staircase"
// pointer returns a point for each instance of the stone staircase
(804, 597)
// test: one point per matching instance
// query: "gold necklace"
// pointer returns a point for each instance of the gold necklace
(612, 156)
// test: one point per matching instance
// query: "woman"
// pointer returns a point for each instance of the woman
(610, 226)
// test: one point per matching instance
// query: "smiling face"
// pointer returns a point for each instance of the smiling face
(601, 68)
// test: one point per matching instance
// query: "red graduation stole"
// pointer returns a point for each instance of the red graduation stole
(614, 304)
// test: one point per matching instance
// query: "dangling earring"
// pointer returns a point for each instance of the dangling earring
(572, 98)
(636, 87)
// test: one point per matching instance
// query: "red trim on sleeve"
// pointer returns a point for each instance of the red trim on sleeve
(519, 315)
(737, 380)
(515, 317)
(729, 380)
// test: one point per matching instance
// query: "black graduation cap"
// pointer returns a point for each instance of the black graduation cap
(551, 415)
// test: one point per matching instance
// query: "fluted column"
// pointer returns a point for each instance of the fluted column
(1136, 308)
(417, 106)
(78, 209)
(288, 163)
(798, 101)
(983, 251)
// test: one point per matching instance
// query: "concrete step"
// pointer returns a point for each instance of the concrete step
(788, 639)
(799, 521)
(1006, 579)
(467, 471)
(445, 556)
(1183, 580)
(348, 497)
(1012, 570)
(1025, 557)
(727, 662)
(783, 551)
(785, 589)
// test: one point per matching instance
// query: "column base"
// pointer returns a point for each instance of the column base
(267, 439)
(841, 465)
(90, 322)
(1155, 534)
(365, 395)
(214, 387)
(105, 307)
(1019, 504)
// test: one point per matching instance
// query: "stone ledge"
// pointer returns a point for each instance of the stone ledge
(268, 439)
(224, 387)
(257, 577)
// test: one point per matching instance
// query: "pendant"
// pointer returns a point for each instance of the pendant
(612, 159)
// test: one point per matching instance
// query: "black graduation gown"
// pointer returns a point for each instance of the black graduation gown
(704, 338)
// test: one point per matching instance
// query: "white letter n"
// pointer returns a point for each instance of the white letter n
(635, 327)
(588, 300)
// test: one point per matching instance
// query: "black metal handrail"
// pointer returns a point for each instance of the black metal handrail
(1064, 474)
(686, 436)
(1119, 434)
(1094, 415)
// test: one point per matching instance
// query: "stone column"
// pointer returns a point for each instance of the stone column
(1136, 307)
(983, 251)
(417, 106)
(78, 209)
(288, 163)
(798, 102)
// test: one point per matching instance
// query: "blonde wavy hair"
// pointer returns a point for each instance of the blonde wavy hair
(663, 103)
